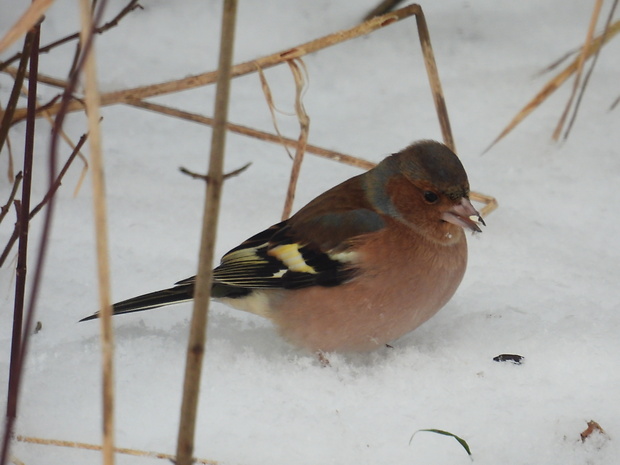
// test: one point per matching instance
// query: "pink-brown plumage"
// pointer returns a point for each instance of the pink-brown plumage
(396, 291)
(359, 266)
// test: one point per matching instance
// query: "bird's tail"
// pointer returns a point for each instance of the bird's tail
(174, 295)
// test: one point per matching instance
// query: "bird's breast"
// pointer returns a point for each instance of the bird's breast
(402, 281)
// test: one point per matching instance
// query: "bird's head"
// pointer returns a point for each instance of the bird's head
(425, 187)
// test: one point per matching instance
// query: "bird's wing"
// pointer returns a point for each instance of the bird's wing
(294, 254)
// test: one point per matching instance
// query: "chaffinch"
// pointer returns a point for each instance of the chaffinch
(359, 266)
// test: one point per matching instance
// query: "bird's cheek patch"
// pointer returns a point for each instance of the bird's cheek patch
(405, 197)
(290, 255)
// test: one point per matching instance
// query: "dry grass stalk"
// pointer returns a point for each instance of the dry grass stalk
(31, 16)
(16, 461)
(10, 166)
(95, 447)
(204, 277)
(557, 81)
(300, 74)
(582, 90)
(581, 59)
(101, 232)
(272, 108)
(248, 67)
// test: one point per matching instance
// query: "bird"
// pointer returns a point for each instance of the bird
(358, 267)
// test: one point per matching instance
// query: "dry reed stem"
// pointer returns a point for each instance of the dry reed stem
(556, 82)
(300, 76)
(581, 59)
(248, 67)
(433, 79)
(204, 277)
(101, 232)
(250, 132)
(95, 447)
(28, 19)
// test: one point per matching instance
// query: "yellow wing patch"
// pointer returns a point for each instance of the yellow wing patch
(290, 255)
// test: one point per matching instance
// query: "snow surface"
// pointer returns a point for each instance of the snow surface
(542, 280)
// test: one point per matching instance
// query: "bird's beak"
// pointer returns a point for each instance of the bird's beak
(461, 213)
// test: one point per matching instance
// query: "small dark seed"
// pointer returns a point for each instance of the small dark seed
(514, 358)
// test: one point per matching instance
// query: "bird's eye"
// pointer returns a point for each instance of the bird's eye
(430, 196)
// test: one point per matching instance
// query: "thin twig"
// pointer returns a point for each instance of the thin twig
(21, 332)
(132, 5)
(66, 138)
(6, 207)
(11, 106)
(205, 177)
(557, 62)
(48, 196)
(202, 291)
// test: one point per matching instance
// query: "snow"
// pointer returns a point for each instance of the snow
(541, 281)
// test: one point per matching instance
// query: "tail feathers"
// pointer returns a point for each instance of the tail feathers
(174, 295)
